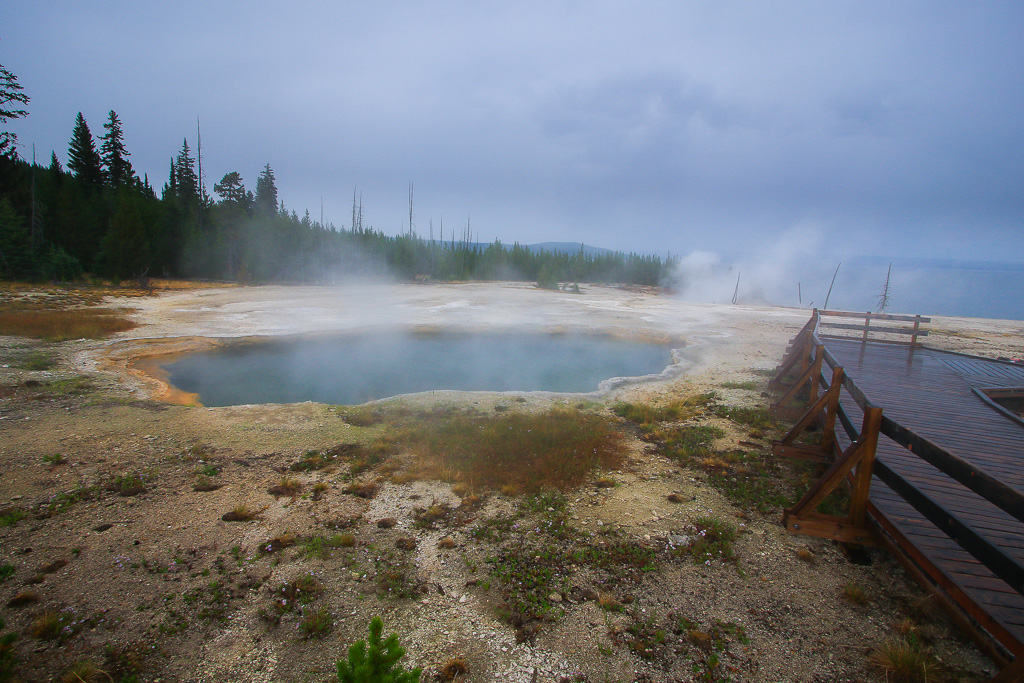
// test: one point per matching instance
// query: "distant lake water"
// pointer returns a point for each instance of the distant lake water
(356, 368)
(972, 289)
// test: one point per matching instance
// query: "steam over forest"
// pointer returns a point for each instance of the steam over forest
(97, 216)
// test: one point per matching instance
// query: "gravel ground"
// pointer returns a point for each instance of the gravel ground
(160, 584)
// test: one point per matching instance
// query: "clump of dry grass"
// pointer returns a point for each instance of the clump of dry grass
(903, 659)
(446, 543)
(240, 513)
(363, 490)
(23, 598)
(807, 556)
(277, 543)
(288, 486)
(608, 602)
(452, 669)
(85, 671)
(855, 594)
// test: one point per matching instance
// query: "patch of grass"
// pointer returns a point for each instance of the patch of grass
(213, 600)
(904, 659)
(688, 443)
(648, 639)
(748, 385)
(290, 596)
(277, 544)
(62, 325)
(316, 623)
(54, 459)
(57, 625)
(6, 572)
(38, 361)
(7, 655)
(319, 489)
(85, 671)
(64, 501)
(711, 647)
(24, 598)
(287, 486)
(367, 489)
(807, 556)
(11, 516)
(72, 386)
(711, 541)
(323, 547)
(207, 470)
(607, 602)
(132, 483)
(755, 417)
(676, 410)
(452, 669)
(427, 518)
(240, 513)
(855, 594)
(393, 576)
(513, 451)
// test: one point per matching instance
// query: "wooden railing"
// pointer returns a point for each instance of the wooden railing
(813, 385)
(878, 327)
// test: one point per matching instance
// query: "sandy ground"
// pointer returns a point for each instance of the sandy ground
(144, 573)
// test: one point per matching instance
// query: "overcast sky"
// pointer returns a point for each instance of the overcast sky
(878, 128)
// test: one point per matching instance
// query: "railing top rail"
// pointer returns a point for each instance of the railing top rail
(876, 316)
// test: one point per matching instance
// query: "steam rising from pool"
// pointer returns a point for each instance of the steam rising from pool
(356, 368)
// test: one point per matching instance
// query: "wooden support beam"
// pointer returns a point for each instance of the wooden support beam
(832, 478)
(799, 452)
(806, 377)
(824, 526)
(865, 466)
(828, 434)
(1013, 673)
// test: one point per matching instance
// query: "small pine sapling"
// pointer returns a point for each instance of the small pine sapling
(375, 663)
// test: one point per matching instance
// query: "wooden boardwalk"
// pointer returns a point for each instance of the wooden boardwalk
(931, 393)
(934, 466)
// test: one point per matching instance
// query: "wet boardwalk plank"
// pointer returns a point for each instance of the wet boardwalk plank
(932, 394)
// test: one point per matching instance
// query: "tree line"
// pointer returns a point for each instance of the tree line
(99, 217)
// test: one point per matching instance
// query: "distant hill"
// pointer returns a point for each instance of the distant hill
(568, 248)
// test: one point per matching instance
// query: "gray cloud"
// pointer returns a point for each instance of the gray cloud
(891, 127)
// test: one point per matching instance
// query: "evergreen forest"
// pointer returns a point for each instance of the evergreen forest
(98, 218)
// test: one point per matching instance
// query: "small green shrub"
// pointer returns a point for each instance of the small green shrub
(7, 659)
(316, 623)
(377, 661)
(6, 572)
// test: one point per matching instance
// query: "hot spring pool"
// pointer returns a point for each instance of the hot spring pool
(356, 368)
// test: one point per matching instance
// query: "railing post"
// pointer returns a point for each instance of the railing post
(812, 389)
(862, 480)
(916, 329)
(867, 326)
(828, 432)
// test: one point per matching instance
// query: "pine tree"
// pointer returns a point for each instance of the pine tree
(266, 192)
(185, 174)
(376, 662)
(83, 159)
(55, 166)
(10, 94)
(231, 188)
(115, 158)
